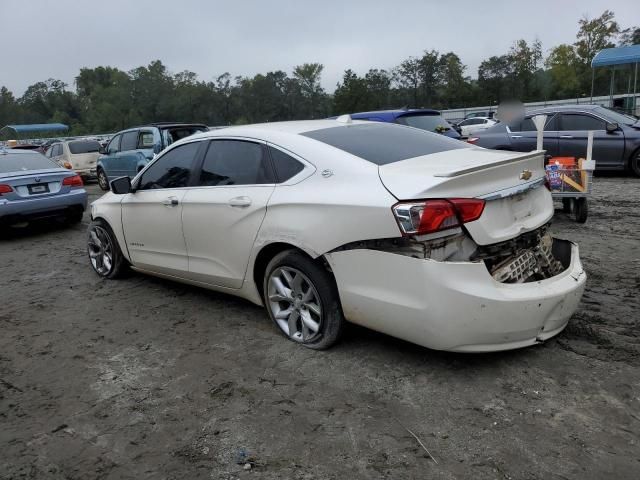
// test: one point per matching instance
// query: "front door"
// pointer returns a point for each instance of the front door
(152, 214)
(224, 210)
(608, 148)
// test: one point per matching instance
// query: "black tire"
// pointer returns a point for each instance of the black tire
(566, 205)
(332, 321)
(118, 265)
(103, 180)
(634, 163)
(581, 209)
(75, 216)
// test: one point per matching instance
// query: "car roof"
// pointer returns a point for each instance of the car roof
(294, 127)
(161, 125)
(563, 108)
(395, 113)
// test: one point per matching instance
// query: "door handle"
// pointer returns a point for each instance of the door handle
(566, 136)
(240, 202)
(516, 136)
(170, 202)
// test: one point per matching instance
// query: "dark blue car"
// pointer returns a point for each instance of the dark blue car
(423, 118)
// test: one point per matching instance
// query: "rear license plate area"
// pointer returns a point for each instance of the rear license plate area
(36, 189)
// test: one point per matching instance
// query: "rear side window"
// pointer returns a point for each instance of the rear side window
(129, 141)
(383, 143)
(23, 162)
(286, 166)
(145, 140)
(84, 146)
(234, 162)
(171, 170)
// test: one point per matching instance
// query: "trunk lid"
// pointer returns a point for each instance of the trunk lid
(511, 183)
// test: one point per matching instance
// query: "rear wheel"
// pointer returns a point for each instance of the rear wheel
(75, 216)
(104, 252)
(302, 300)
(581, 209)
(103, 180)
(566, 205)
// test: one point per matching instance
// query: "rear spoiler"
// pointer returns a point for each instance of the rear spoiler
(517, 158)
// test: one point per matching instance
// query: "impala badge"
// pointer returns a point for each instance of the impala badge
(525, 175)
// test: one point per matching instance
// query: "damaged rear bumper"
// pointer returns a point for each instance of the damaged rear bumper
(456, 306)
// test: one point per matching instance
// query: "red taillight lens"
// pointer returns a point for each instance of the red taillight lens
(429, 216)
(469, 209)
(5, 189)
(472, 139)
(75, 181)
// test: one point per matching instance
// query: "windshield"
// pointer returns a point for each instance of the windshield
(18, 162)
(430, 123)
(616, 117)
(383, 143)
(84, 146)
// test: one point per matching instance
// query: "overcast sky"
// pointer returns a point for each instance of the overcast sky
(54, 38)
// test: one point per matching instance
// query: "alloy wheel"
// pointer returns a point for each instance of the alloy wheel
(102, 180)
(295, 304)
(100, 250)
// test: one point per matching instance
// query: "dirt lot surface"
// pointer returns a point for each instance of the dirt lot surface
(144, 378)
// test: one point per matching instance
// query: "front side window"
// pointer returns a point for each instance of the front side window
(129, 141)
(114, 145)
(580, 122)
(285, 165)
(171, 170)
(234, 162)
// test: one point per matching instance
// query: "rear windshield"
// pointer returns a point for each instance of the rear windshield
(84, 146)
(430, 123)
(383, 143)
(18, 162)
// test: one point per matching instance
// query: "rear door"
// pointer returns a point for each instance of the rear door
(223, 212)
(524, 136)
(57, 154)
(128, 156)
(608, 148)
(152, 214)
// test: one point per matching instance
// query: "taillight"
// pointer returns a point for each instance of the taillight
(429, 216)
(5, 189)
(472, 139)
(74, 181)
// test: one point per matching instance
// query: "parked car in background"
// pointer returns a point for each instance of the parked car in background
(423, 118)
(616, 141)
(475, 124)
(130, 150)
(34, 187)
(483, 113)
(413, 234)
(79, 155)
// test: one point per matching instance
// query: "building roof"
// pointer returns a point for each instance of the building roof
(36, 128)
(617, 56)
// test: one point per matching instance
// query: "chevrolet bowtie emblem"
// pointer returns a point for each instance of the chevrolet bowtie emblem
(525, 175)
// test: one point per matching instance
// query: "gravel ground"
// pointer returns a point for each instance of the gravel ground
(144, 378)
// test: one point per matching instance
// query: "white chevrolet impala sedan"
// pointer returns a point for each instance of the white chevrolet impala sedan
(403, 231)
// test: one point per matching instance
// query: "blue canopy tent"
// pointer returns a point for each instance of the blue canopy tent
(610, 57)
(23, 130)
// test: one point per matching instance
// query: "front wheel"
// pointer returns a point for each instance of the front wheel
(103, 180)
(302, 300)
(635, 164)
(581, 209)
(104, 252)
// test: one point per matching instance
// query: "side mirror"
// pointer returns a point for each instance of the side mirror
(121, 185)
(157, 148)
(102, 150)
(612, 127)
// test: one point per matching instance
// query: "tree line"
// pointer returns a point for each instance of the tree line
(107, 99)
